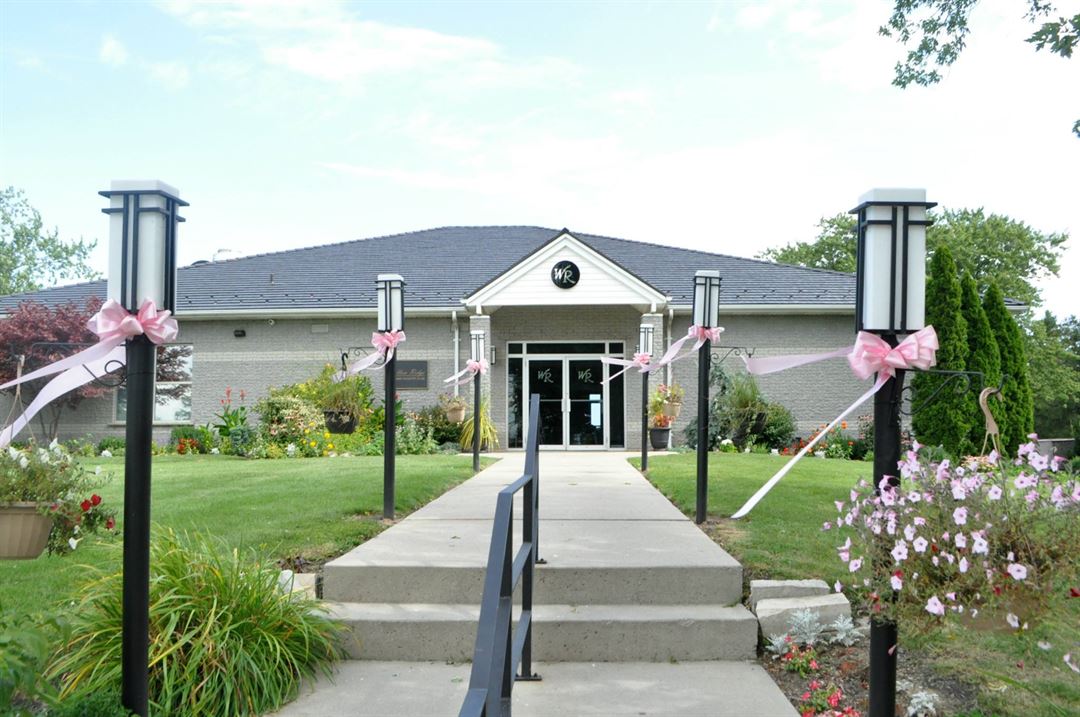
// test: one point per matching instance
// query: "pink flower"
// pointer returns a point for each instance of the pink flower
(1018, 571)
(900, 552)
(919, 520)
(934, 606)
(837, 586)
(994, 493)
(919, 544)
(897, 583)
(979, 545)
(963, 565)
(909, 532)
(951, 597)
(959, 515)
(961, 540)
(839, 506)
(1025, 481)
(958, 492)
(854, 565)
(1038, 461)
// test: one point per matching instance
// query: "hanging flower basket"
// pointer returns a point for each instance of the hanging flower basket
(24, 532)
(340, 422)
(455, 414)
(672, 408)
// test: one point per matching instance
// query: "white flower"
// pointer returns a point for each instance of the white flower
(215, 451)
(963, 565)
(1013, 620)
(837, 586)
(897, 583)
(961, 540)
(73, 543)
(994, 493)
(960, 515)
(909, 532)
(54, 446)
(935, 606)
(24, 462)
(919, 544)
(900, 552)
(1043, 645)
(15, 454)
(1018, 571)
(979, 545)
(106, 453)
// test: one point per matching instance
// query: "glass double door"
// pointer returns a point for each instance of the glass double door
(572, 400)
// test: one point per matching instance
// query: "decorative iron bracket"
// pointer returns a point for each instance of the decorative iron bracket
(747, 351)
(111, 367)
(358, 352)
(959, 381)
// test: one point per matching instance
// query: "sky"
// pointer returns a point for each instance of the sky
(729, 127)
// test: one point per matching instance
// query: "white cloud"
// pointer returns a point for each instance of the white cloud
(112, 52)
(170, 75)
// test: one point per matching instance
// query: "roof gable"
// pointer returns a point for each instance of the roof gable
(599, 280)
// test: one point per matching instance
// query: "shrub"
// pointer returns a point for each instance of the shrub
(779, 426)
(241, 440)
(112, 444)
(225, 639)
(442, 429)
(62, 488)
(25, 643)
(183, 433)
(82, 447)
(413, 439)
(1016, 392)
(983, 356)
(99, 704)
(489, 435)
(957, 540)
(285, 418)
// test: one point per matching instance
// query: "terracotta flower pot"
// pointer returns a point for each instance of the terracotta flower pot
(455, 414)
(339, 421)
(24, 531)
(672, 408)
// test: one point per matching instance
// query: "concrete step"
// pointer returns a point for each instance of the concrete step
(603, 562)
(561, 633)
(427, 689)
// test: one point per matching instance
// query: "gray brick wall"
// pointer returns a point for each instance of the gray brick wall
(294, 350)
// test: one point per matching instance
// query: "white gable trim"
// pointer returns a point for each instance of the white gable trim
(499, 291)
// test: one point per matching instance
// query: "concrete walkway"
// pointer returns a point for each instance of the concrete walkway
(636, 611)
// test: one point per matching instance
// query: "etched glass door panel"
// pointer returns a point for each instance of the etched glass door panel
(586, 393)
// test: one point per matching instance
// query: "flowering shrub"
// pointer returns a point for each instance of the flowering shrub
(284, 419)
(824, 700)
(951, 541)
(802, 660)
(62, 488)
(231, 417)
(187, 446)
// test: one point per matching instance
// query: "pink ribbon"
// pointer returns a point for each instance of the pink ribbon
(699, 334)
(641, 361)
(384, 344)
(113, 325)
(472, 368)
(870, 355)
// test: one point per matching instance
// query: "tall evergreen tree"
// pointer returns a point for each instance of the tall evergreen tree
(983, 356)
(1019, 411)
(944, 419)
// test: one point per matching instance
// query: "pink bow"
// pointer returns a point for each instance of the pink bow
(641, 361)
(113, 325)
(872, 355)
(472, 368)
(384, 344)
(868, 356)
(699, 334)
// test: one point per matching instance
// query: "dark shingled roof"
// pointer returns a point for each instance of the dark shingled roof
(443, 266)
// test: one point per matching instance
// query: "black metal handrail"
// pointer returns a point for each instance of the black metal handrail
(499, 650)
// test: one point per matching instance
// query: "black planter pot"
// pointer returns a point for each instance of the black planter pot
(658, 438)
(340, 421)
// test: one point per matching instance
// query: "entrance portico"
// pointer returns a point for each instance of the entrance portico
(553, 316)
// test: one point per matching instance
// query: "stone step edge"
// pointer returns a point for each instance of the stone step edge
(447, 612)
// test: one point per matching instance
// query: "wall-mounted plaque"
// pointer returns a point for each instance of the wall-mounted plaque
(565, 275)
(411, 375)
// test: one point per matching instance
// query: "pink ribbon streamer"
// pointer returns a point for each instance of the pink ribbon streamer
(641, 361)
(472, 368)
(113, 325)
(384, 344)
(870, 355)
(699, 334)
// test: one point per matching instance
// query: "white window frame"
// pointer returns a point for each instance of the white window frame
(157, 384)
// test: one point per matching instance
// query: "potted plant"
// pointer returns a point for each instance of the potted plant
(673, 395)
(341, 405)
(660, 431)
(46, 500)
(454, 406)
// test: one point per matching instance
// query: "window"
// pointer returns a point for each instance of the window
(172, 400)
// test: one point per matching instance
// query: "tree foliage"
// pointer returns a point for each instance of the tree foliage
(992, 247)
(938, 29)
(1016, 391)
(32, 257)
(1053, 352)
(942, 415)
(983, 356)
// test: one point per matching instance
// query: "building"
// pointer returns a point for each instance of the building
(551, 303)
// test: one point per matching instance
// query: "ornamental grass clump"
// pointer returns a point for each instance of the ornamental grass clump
(985, 540)
(225, 639)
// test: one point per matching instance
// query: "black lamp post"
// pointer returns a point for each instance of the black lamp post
(645, 342)
(142, 265)
(477, 356)
(390, 290)
(706, 315)
(890, 298)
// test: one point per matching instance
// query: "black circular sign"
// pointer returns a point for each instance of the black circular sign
(565, 275)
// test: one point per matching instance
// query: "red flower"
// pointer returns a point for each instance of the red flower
(85, 505)
(805, 695)
(110, 524)
(1073, 592)
(834, 699)
(95, 499)
(813, 664)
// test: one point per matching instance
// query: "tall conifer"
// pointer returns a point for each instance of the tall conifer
(983, 356)
(945, 418)
(1019, 409)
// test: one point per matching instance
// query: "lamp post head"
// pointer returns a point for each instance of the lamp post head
(890, 276)
(645, 339)
(390, 294)
(478, 340)
(706, 299)
(142, 242)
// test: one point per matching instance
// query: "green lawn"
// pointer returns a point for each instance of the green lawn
(314, 508)
(782, 538)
